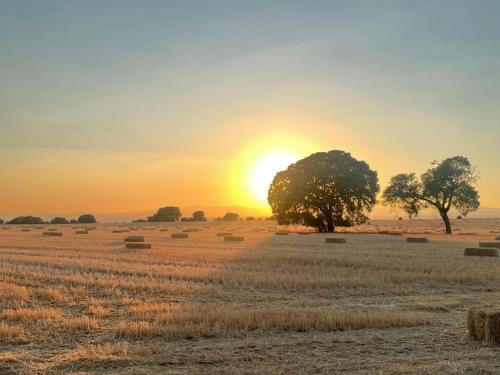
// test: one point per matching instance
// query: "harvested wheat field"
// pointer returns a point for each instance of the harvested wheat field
(267, 305)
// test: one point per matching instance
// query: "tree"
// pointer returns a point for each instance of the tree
(324, 190)
(87, 219)
(231, 216)
(199, 216)
(26, 220)
(447, 184)
(166, 214)
(59, 220)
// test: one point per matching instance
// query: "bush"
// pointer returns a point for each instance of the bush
(59, 220)
(1, 221)
(231, 216)
(250, 218)
(166, 214)
(86, 219)
(26, 220)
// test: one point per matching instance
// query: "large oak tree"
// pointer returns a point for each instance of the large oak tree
(324, 190)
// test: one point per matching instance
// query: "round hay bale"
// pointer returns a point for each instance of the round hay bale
(163, 230)
(25, 230)
(134, 239)
(495, 245)
(138, 245)
(417, 239)
(481, 252)
(179, 235)
(233, 239)
(52, 229)
(81, 232)
(224, 234)
(335, 240)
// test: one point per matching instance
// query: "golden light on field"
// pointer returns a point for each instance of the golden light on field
(266, 168)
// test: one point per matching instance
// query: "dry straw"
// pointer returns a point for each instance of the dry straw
(484, 324)
(233, 239)
(481, 252)
(490, 244)
(335, 240)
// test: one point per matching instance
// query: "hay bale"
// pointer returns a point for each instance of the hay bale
(383, 232)
(395, 233)
(490, 244)
(81, 232)
(25, 230)
(484, 324)
(233, 239)
(179, 235)
(335, 240)
(417, 239)
(52, 234)
(52, 229)
(224, 234)
(481, 252)
(134, 239)
(163, 230)
(138, 245)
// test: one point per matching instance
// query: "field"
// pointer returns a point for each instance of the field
(271, 304)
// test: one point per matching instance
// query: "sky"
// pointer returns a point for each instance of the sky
(116, 106)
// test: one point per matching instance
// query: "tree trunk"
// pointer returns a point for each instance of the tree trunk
(330, 227)
(446, 220)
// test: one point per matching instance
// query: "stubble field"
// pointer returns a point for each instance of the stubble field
(272, 304)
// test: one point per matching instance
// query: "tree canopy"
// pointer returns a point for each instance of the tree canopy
(449, 183)
(26, 220)
(231, 216)
(324, 190)
(166, 214)
(87, 219)
(59, 220)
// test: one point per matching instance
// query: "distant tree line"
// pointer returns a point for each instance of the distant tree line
(34, 220)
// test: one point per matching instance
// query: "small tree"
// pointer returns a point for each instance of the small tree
(26, 220)
(199, 216)
(445, 185)
(324, 190)
(231, 216)
(166, 214)
(59, 220)
(87, 219)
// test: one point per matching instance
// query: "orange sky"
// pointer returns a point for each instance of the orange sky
(118, 109)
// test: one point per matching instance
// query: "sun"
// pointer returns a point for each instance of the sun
(264, 171)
